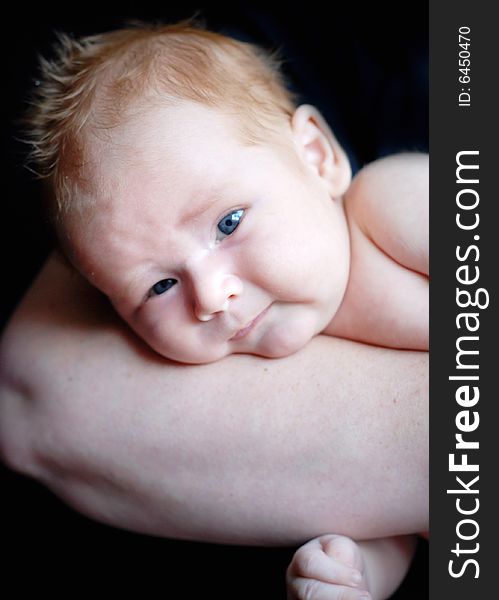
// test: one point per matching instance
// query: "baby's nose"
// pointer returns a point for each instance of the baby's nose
(213, 293)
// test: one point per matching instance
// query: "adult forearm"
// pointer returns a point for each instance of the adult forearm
(333, 438)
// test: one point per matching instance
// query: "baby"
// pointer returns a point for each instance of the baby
(220, 218)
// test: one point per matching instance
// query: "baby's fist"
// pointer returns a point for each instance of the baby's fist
(329, 567)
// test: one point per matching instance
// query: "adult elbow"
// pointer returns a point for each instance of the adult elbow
(14, 447)
(16, 450)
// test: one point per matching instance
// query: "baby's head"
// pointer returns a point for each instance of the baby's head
(187, 187)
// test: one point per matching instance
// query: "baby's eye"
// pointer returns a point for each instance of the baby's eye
(162, 286)
(229, 224)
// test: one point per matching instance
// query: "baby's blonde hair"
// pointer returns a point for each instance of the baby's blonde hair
(92, 82)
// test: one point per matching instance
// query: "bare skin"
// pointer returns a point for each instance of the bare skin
(334, 567)
(244, 450)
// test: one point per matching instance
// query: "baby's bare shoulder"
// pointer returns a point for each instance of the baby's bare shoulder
(400, 179)
(405, 161)
(388, 201)
(386, 302)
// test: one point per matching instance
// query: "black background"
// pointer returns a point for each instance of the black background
(366, 68)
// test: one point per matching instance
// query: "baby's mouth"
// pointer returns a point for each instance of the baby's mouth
(249, 327)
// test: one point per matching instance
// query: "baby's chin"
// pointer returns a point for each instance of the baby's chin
(286, 338)
(279, 341)
(194, 358)
(204, 360)
(284, 348)
(283, 345)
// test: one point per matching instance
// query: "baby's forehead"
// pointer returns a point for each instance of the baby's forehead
(152, 125)
(150, 132)
(183, 150)
(196, 140)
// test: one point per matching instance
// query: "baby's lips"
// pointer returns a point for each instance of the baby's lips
(247, 328)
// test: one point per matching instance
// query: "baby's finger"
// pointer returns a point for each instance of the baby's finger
(343, 549)
(301, 588)
(312, 563)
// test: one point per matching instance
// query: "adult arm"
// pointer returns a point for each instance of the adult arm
(244, 450)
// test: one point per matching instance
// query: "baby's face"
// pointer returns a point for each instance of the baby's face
(207, 247)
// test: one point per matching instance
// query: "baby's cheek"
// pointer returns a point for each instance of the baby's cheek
(177, 340)
(149, 324)
(276, 264)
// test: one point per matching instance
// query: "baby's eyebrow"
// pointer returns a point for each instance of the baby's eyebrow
(194, 212)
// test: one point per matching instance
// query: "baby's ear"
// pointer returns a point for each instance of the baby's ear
(320, 150)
